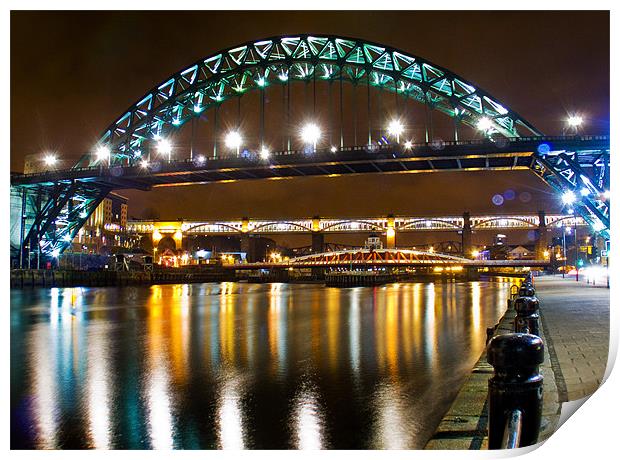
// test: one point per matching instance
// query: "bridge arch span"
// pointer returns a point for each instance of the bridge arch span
(487, 222)
(292, 224)
(276, 60)
(370, 226)
(441, 222)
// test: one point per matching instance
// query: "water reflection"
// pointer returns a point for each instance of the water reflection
(229, 365)
(307, 420)
(229, 416)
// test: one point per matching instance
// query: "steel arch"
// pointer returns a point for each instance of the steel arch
(258, 64)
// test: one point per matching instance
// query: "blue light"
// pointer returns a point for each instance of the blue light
(197, 109)
(544, 148)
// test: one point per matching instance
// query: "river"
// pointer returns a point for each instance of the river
(236, 365)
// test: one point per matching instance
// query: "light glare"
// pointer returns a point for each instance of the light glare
(311, 133)
(484, 124)
(233, 140)
(569, 197)
(574, 121)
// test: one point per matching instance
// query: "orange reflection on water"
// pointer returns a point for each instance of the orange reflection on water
(159, 414)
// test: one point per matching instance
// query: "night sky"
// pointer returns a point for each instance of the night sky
(73, 73)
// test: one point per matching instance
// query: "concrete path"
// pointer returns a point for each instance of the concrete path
(575, 318)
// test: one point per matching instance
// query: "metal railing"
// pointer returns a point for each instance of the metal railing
(516, 387)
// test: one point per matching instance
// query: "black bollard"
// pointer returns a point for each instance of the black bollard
(527, 319)
(527, 291)
(516, 385)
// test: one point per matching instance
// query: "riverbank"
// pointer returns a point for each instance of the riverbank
(101, 278)
(575, 331)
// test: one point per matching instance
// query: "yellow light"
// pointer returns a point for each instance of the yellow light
(391, 232)
(438, 269)
(431, 249)
(546, 254)
(475, 253)
(156, 236)
(178, 235)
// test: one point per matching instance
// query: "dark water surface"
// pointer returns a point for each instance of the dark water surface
(230, 365)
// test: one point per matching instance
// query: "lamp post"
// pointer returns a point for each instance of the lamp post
(576, 248)
(564, 248)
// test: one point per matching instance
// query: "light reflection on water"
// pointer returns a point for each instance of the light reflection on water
(236, 366)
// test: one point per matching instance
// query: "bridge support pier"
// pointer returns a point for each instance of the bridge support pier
(541, 236)
(390, 233)
(466, 236)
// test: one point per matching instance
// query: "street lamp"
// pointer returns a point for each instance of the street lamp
(50, 159)
(164, 147)
(569, 197)
(264, 153)
(395, 128)
(233, 140)
(574, 121)
(310, 134)
(103, 153)
(484, 124)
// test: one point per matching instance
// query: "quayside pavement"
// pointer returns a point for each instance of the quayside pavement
(575, 330)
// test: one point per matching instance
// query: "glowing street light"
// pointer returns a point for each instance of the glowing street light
(311, 134)
(484, 124)
(50, 159)
(233, 140)
(408, 145)
(395, 128)
(264, 153)
(164, 147)
(103, 153)
(574, 121)
(333, 149)
(569, 197)
(475, 253)
(144, 164)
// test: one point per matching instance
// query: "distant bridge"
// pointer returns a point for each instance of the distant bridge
(352, 225)
(368, 258)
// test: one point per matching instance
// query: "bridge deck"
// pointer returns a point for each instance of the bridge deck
(438, 156)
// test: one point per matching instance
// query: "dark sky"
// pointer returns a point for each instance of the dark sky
(73, 73)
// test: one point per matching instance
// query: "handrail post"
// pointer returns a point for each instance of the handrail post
(516, 385)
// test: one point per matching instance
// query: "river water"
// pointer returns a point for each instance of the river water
(235, 365)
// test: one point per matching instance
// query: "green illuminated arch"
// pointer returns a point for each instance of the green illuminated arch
(262, 63)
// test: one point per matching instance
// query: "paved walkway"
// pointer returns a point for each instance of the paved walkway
(575, 319)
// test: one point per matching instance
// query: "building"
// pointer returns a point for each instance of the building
(105, 231)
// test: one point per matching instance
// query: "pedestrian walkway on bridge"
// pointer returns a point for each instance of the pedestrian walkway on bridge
(575, 330)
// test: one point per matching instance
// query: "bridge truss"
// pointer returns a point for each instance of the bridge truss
(366, 258)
